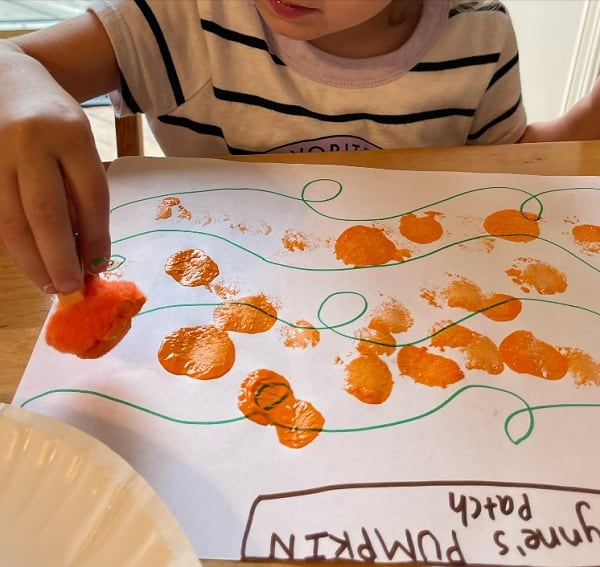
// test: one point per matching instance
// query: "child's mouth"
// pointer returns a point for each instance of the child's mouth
(288, 10)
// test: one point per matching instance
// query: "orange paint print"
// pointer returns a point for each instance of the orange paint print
(301, 424)
(465, 294)
(203, 352)
(252, 314)
(369, 379)
(261, 392)
(392, 316)
(266, 398)
(421, 230)
(367, 246)
(584, 368)
(427, 368)
(302, 335)
(513, 225)
(526, 354)
(192, 268)
(165, 209)
(480, 351)
(500, 307)
(375, 341)
(530, 273)
(587, 236)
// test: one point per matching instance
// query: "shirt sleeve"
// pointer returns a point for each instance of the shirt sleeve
(160, 50)
(500, 117)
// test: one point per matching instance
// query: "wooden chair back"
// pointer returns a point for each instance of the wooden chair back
(130, 137)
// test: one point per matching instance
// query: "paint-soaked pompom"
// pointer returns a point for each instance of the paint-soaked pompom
(96, 323)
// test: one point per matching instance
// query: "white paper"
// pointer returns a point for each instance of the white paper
(495, 469)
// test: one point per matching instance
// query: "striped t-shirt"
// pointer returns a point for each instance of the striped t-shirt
(212, 79)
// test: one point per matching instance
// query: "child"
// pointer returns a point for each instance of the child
(236, 76)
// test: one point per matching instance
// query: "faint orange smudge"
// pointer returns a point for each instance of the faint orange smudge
(480, 351)
(513, 225)
(422, 230)
(430, 296)
(301, 336)
(479, 244)
(587, 236)
(546, 279)
(184, 213)
(584, 368)
(203, 352)
(252, 314)
(369, 379)
(375, 341)
(294, 240)
(241, 227)
(427, 368)
(206, 220)
(526, 354)
(224, 290)
(393, 316)
(266, 398)
(367, 246)
(192, 267)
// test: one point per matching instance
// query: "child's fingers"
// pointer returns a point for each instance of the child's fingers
(87, 188)
(46, 208)
(16, 234)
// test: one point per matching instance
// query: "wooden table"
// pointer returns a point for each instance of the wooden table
(23, 307)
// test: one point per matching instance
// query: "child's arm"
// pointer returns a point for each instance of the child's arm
(52, 182)
(580, 122)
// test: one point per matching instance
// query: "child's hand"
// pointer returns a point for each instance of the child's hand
(53, 189)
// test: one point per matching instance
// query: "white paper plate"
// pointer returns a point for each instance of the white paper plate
(67, 499)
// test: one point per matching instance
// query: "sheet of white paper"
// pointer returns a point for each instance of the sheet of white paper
(496, 468)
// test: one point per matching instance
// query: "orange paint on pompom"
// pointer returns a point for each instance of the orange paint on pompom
(95, 324)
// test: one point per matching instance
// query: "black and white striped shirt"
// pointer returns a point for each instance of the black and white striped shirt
(212, 80)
